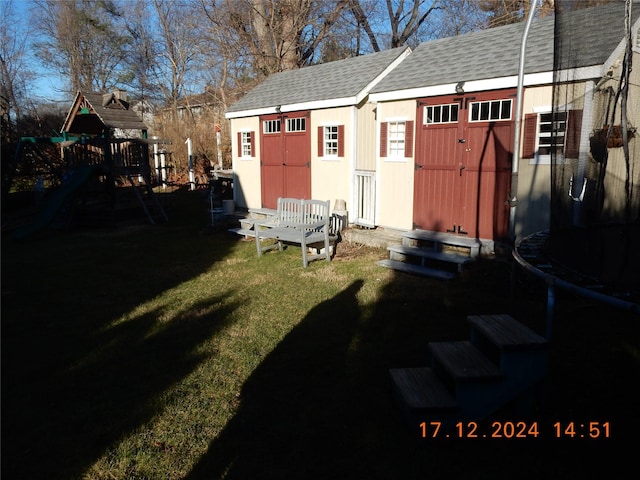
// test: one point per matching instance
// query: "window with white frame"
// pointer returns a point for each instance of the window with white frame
(330, 141)
(296, 124)
(271, 126)
(490, 110)
(396, 138)
(246, 144)
(548, 134)
(551, 133)
(436, 114)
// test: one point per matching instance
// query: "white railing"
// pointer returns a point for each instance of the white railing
(365, 207)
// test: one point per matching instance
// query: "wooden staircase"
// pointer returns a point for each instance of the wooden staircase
(247, 224)
(432, 254)
(502, 362)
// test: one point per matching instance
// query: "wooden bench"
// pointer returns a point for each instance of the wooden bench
(297, 221)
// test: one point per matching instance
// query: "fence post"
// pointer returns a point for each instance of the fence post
(192, 181)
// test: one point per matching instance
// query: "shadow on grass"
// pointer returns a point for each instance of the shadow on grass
(320, 405)
(75, 380)
(292, 412)
(69, 419)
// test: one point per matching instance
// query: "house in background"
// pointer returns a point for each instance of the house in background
(423, 140)
(306, 133)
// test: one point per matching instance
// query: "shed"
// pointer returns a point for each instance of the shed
(304, 133)
(446, 115)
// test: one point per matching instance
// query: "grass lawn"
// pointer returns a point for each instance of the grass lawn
(169, 352)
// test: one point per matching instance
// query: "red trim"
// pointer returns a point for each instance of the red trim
(408, 139)
(384, 128)
(529, 140)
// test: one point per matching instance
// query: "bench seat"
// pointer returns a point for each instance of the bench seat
(298, 221)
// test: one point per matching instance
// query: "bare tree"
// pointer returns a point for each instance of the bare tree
(403, 19)
(14, 71)
(84, 40)
(177, 48)
(275, 35)
(142, 50)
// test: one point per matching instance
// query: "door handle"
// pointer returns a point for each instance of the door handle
(462, 167)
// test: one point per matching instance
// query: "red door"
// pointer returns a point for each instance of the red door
(286, 157)
(463, 164)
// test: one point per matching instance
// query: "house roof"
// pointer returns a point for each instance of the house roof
(481, 57)
(91, 113)
(339, 83)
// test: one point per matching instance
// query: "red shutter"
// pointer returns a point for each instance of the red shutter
(239, 144)
(383, 139)
(341, 140)
(530, 130)
(574, 126)
(408, 139)
(320, 141)
(251, 139)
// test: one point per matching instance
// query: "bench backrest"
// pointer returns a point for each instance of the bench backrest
(295, 212)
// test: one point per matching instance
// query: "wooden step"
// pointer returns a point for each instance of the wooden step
(401, 252)
(420, 389)
(438, 239)
(521, 353)
(262, 213)
(417, 269)
(463, 362)
(505, 332)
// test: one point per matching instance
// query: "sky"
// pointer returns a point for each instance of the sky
(45, 87)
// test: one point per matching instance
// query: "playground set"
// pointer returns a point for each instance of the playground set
(98, 168)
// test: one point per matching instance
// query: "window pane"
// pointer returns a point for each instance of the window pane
(296, 124)
(475, 112)
(331, 140)
(437, 118)
(245, 144)
(484, 111)
(495, 110)
(506, 110)
(271, 126)
(551, 135)
(396, 139)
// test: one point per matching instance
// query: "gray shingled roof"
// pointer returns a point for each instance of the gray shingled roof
(111, 114)
(495, 52)
(114, 117)
(340, 79)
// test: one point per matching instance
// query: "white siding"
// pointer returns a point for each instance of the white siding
(331, 178)
(394, 178)
(247, 192)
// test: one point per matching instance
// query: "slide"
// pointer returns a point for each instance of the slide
(54, 202)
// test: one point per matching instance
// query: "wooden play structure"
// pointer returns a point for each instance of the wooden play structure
(98, 166)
